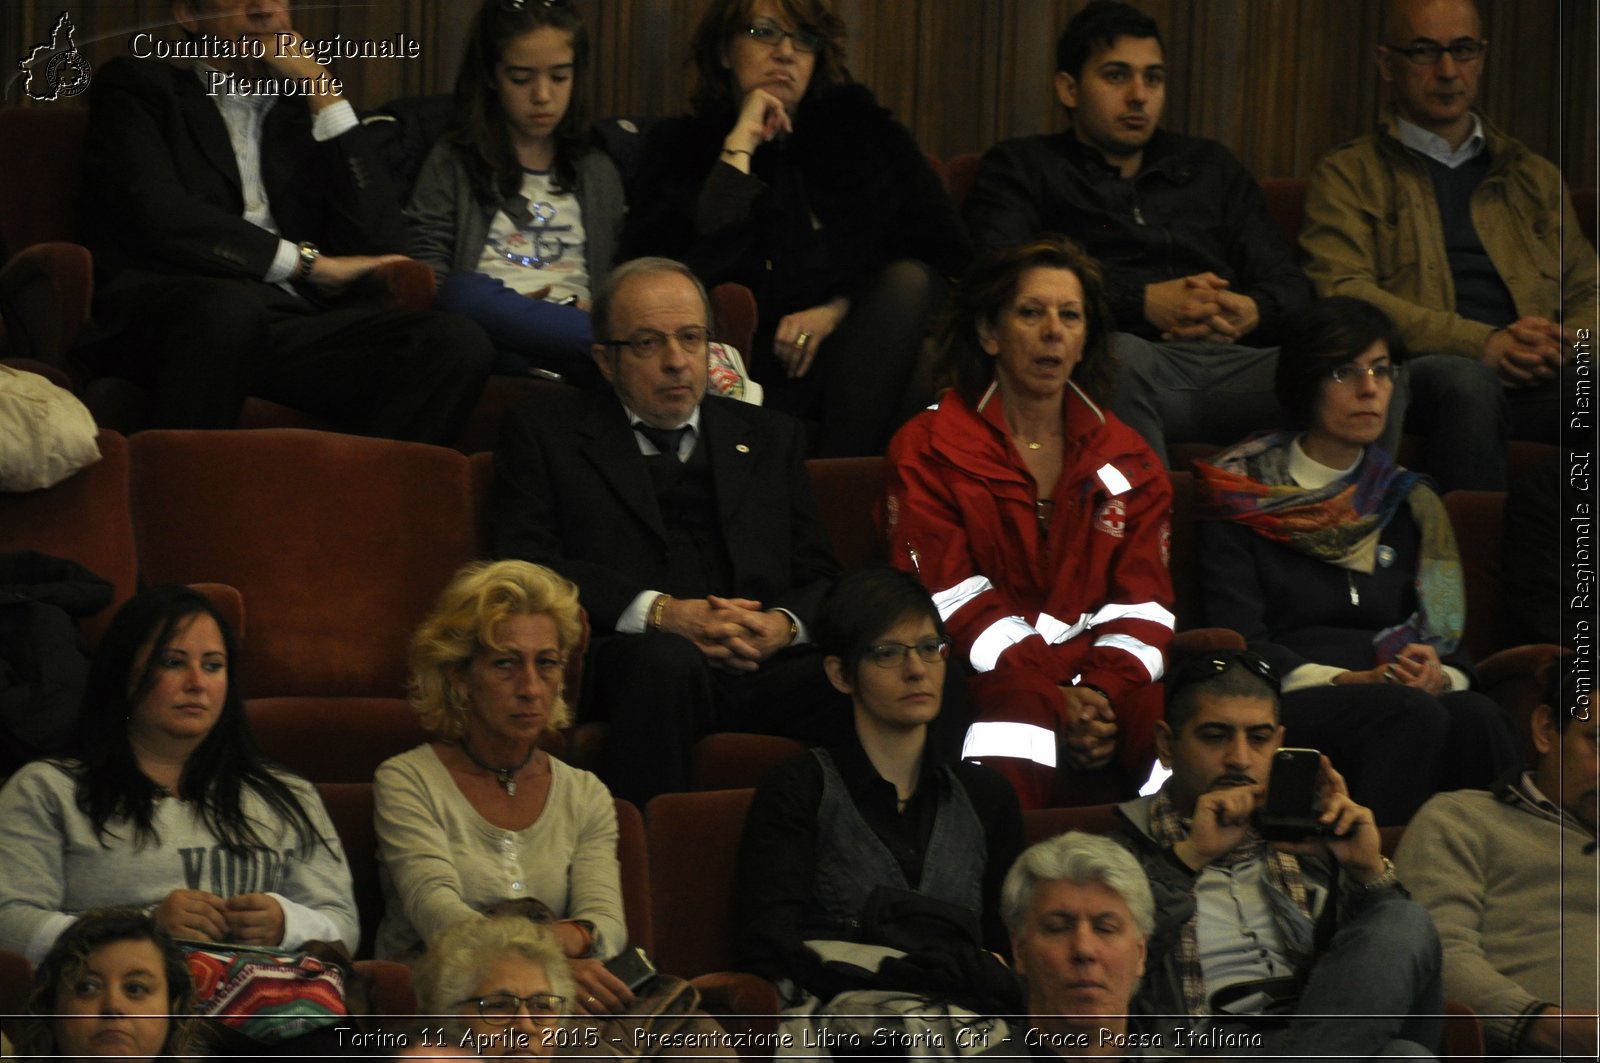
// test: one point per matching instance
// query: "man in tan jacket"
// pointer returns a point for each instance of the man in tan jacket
(1463, 236)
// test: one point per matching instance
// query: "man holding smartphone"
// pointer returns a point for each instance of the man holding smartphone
(1272, 948)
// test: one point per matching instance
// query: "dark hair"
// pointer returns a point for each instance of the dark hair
(1319, 338)
(988, 289)
(1097, 27)
(714, 92)
(1561, 694)
(862, 606)
(1217, 674)
(110, 784)
(66, 959)
(481, 137)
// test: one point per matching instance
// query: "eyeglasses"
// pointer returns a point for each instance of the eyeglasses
(1383, 372)
(1428, 53)
(1205, 666)
(652, 343)
(893, 654)
(518, 5)
(500, 1009)
(771, 34)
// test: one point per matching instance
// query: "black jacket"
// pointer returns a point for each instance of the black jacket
(1191, 208)
(572, 492)
(849, 163)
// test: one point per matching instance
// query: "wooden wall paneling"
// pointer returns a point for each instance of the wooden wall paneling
(1278, 81)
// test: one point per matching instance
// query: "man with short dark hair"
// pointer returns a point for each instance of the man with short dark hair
(1306, 947)
(1464, 237)
(688, 524)
(236, 207)
(1197, 274)
(1509, 878)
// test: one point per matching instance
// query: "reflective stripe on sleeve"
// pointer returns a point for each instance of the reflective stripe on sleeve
(999, 738)
(951, 599)
(996, 639)
(1148, 655)
(1057, 631)
(1154, 612)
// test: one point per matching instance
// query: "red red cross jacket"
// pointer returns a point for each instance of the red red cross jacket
(1091, 602)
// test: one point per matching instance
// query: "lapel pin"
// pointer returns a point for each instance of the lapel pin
(741, 448)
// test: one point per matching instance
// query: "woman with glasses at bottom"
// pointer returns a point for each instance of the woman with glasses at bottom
(481, 817)
(878, 840)
(1340, 568)
(792, 180)
(506, 981)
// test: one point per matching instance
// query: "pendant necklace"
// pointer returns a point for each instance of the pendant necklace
(506, 777)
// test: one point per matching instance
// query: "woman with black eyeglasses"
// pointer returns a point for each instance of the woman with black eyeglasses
(880, 830)
(1341, 569)
(792, 180)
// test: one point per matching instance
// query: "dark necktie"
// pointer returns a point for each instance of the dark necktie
(666, 440)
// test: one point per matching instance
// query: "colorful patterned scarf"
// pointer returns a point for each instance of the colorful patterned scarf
(1341, 524)
(1283, 874)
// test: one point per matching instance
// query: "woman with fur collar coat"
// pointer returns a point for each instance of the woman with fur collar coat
(793, 181)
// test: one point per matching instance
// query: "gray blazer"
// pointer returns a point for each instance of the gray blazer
(449, 226)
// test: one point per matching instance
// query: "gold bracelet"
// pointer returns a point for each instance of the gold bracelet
(657, 609)
(794, 629)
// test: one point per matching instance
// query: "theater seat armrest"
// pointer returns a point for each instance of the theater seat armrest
(1200, 639)
(407, 285)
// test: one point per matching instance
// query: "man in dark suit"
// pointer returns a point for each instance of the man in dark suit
(236, 208)
(688, 524)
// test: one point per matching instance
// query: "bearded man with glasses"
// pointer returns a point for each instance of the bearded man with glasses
(687, 522)
(1465, 238)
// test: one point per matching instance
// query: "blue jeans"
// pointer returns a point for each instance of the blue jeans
(526, 332)
(1375, 991)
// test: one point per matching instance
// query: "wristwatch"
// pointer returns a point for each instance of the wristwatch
(1387, 880)
(308, 258)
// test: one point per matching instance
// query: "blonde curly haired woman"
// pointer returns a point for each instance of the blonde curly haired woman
(481, 817)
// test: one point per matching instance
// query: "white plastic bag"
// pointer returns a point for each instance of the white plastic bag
(46, 434)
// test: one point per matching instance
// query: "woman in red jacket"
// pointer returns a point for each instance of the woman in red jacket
(1040, 523)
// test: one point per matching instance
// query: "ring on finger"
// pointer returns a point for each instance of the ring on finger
(802, 339)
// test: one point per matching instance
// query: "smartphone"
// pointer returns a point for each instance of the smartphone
(1290, 814)
(632, 967)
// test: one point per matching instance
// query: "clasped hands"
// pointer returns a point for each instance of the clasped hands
(1527, 352)
(1417, 666)
(1200, 308)
(735, 634)
(1222, 819)
(246, 919)
(1089, 728)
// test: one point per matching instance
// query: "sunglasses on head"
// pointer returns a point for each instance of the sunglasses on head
(1202, 666)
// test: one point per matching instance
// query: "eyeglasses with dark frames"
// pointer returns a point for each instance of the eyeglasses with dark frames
(500, 1009)
(1428, 53)
(649, 343)
(893, 654)
(772, 35)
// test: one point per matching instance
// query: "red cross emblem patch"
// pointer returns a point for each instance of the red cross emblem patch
(1112, 518)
